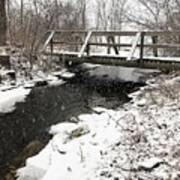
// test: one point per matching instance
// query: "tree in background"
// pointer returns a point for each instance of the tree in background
(3, 26)
(158, 15)
(110, 15)
(28, 21)
(154, 14)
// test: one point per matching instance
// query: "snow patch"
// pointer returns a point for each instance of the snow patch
(64, 74)
(9, 98)
(76, 149)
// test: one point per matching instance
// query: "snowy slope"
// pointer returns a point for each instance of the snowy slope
(140, 141)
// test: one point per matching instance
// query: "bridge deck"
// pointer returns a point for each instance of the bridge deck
(116, 60)
(84, 54)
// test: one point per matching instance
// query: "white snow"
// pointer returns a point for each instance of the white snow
(9, 98)
(80, 155)
(56, 83)
(140, 141)
(11, 94)
(149, 163)
(64, 74)
(3, 51)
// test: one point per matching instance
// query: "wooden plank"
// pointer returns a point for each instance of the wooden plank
(85, 44)
(70, 31)
(120, 33)
(155, 41)
(161, 33)
(101, 56)
(162, 46)
(153, 46)
(133, 33)
(98, 33)
(114, 33)
(121, 61)
(111, 42)
(68, 43)
(157, 46)
(134, 46)
(48, 40)
(141, 49)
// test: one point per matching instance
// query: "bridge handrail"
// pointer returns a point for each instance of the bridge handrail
(51, 40)
(119, 33)
(164, 45)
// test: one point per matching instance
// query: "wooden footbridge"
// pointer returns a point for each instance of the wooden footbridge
(145, 49)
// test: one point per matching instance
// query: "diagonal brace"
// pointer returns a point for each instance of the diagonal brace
(85, 44)
(48, 40)
(134, 46)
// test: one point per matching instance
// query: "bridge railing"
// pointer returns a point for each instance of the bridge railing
(82, 41)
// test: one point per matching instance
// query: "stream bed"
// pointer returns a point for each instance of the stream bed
(24, 132)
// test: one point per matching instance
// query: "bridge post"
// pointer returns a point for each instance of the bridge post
(88, 49)
(141, 48)
(111, 40)
(155, 41)
(109, 47)
(52, 46)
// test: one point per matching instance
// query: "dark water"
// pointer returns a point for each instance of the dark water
(46, 106)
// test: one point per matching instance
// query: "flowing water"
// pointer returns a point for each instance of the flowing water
(24, 132)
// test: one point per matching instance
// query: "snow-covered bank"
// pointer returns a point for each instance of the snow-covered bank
(11, 93)
(140, 141)
(9, 98)
(76, 149)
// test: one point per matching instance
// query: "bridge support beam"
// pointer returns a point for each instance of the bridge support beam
(141, 55)
(154, 42)
(111, 61)
(111, 40)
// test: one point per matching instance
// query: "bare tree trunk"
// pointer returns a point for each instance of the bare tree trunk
(8, 21)
(3, 25)
(22, 13)
(84, 16)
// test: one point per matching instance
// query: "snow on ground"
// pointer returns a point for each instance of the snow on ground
(139, 141)
(9, 98)
(13, 91)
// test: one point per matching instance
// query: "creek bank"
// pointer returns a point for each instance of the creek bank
(48, 105)
(138, 141)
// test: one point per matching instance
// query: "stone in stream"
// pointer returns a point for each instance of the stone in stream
(80, 131)
(40, 83)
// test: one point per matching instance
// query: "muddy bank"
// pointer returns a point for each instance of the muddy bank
(46, 106)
